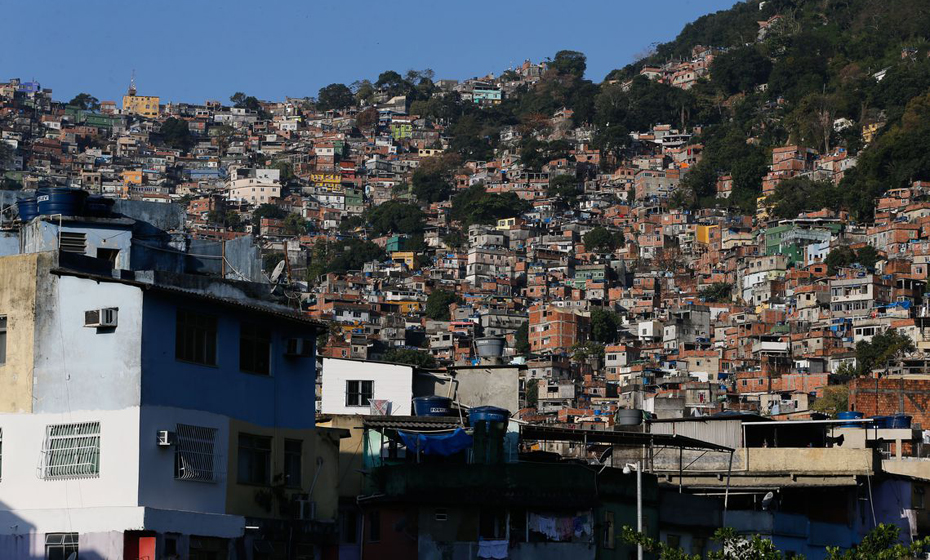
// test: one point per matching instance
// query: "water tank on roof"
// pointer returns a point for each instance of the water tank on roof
(432, 406)
(629, 417)
(60, 200)
(28, 208)
(490, 346)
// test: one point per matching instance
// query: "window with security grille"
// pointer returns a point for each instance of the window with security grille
(61, 546)
(71, 451)
(195, 454)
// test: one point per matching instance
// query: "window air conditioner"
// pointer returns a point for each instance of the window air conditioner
(299, 347)
(304, 508)
(99, 318)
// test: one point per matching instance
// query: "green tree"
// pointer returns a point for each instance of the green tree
(601, 239)
(438, 302)
(590, 350)
(85, 101)
(532, 393)
(267, 211)
(521, 339)
(565, 188)
(571, 63)
(838, 257)
(367, 119)
(395, 216)
(295, 224)
(718, 292)
(882, 543)
(431, 185)
(176, 133)
(475, 205)
(835, 399)
(740, 70)
(243, 101)
(416, 358)
(605, 325)
(334, 96)
(884, 347)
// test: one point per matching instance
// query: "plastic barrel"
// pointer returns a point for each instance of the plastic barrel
(629, 417)
(489, 426)
(432, 406)
(900, 421)
(60, 200)
(882, 422)
(28, 208)
(851, 415)
(488, 414)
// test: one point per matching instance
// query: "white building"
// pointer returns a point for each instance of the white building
(350, 385)
(140, 420)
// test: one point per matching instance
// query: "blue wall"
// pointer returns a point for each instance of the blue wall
(284, 399)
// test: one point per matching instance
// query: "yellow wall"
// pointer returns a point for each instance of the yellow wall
(132, 177)
(351, 480)
(406, 257)
(18, 302)
(704, 233)
(142, 105)
(317, 443)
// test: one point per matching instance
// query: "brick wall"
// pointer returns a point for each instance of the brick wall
(895, 395)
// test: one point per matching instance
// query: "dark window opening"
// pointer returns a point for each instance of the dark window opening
(254, 349)
(195, 339)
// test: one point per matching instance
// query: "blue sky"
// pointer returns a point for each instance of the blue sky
(192, 50)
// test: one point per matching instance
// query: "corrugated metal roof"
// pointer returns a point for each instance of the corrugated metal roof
(414, 422)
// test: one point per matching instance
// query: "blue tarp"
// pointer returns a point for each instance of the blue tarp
(437, 444)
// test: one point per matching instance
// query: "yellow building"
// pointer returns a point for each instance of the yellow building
(869, 131)
(762, 210)
(408, 258)
(507, 224)
(705, 233)
(142, 105)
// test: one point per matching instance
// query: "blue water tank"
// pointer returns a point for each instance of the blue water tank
(488, 414)
(432, 406)
(61, 200)
(98, 206)
(900, 421)
(882, 422)
(28, 208)
(852, 415)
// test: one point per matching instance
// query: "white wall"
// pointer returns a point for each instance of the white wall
(83, 368)
(55, 505)
(391, 382)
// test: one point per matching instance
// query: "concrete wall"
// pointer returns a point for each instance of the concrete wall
(81, 368)
(481, 386)
(17, 302)
(40, 235)
(158, 487)
(286, 398)
(392, 382)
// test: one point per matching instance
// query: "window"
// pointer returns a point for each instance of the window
(254, 459)
(3, 322)
(358, 393)
(71, 451)
(348, 527)
(293, 449)
(60, 546)
(195, 454)
(492, 524)
(254, 349)
(673, 541)
(374, 526)
(195, 338)
(441, 514)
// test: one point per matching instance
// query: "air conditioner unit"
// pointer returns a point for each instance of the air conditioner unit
(166, 438)
(99, 318)
(304, 508)
(299, 347)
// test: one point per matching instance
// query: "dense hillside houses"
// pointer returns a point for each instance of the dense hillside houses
(431, 318)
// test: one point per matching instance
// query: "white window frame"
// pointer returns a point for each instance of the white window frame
(360, 393)
(71, 451)
(195, 455)
(66, 542)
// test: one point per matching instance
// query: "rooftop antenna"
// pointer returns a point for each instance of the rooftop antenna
(132, 83)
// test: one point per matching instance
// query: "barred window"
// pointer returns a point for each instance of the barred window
(195, 454)
(71, 451)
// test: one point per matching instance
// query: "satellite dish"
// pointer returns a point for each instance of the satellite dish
(767, 501)
(277, 272)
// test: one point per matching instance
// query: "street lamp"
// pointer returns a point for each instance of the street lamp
(627, 469)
